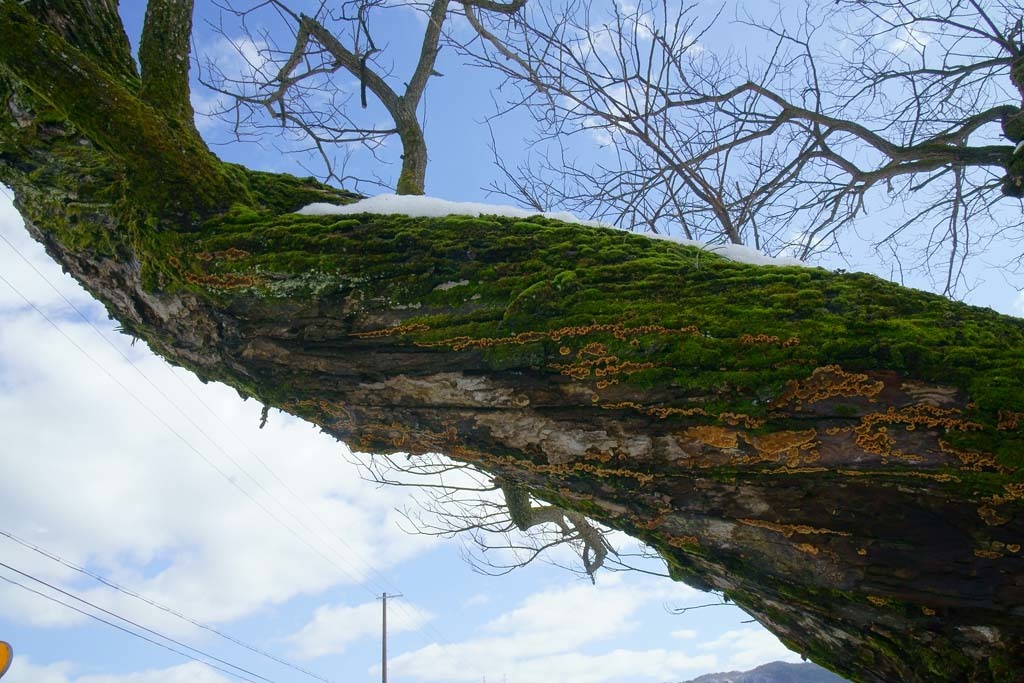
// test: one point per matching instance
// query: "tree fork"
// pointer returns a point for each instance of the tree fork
(172, 170)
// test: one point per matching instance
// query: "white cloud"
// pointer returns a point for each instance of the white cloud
(566, 618)
(1018, 303)
(477, 600)
(573, 635)
(749, 647)
(238, 58)
(89, 473)
(543, 637)
(335, 627)
(908, 38)
(24, 671)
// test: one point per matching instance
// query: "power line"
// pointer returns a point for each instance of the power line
(176, 433)
(127, 630)
(133, 623)
(129, 592)
(383, 581)
(182, 412)
(330, 535)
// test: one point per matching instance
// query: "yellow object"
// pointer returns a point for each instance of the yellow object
(6, 655)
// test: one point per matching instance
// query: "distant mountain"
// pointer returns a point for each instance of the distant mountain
(774, 672)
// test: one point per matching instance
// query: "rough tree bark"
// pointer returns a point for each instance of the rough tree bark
(839, 455)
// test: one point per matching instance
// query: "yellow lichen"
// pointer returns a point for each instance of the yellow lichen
(617, 330)
(785, 469)
(230, 254)
(717, 437)
(663, 412)
(878, 442)
(788, 530)
(974, 461)
(602, 366)
(389, 331)
(872, 434)
(758, 339)
(992, 516)
(752, 339)
(1009, 419)
(1013, 492)
(943, 477)
(829, 381)
(797, 447)
(741, 419)
(666, 411)
(683, 541)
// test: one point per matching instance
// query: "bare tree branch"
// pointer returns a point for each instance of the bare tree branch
(786, 153)
(297, 89)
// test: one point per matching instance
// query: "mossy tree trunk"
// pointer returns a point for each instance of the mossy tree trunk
(841, 456)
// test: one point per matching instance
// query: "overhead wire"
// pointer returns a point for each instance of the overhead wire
(178, 434)
(131, 593)
(382, 583)
(130, 632)
(191, 421)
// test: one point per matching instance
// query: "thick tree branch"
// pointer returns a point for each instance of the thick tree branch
(164, 55)
(841, 456)
(402, 108)
(94, 27)
(350, 61)
(594, 547)
(428, 54)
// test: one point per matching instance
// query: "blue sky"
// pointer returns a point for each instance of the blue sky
(109, 459)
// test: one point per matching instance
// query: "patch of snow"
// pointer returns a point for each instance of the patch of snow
(734, 252)
(431, 207)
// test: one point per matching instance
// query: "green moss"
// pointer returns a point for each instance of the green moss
(517, 276)
(279, 193)
(173, 173)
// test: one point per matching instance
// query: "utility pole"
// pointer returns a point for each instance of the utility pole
(384, 635)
